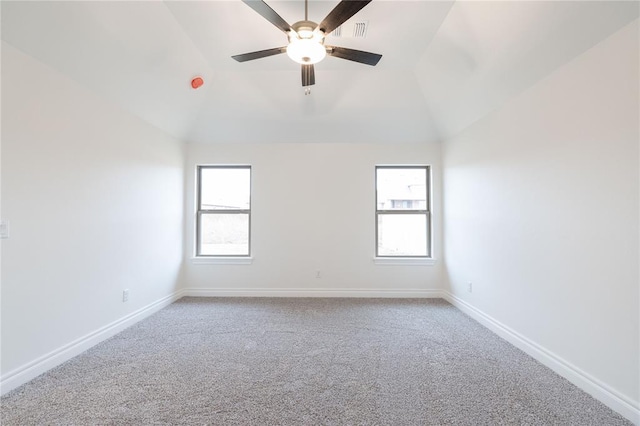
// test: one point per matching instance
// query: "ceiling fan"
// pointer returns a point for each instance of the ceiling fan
(306, 38)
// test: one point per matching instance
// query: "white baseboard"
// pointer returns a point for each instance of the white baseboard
(310, 292)
(33, 369)
(599, 390)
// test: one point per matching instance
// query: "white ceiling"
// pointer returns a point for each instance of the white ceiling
(445, 64)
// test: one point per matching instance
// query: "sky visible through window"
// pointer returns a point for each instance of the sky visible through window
(226, 188)
(398, 184)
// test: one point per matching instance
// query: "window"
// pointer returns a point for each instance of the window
(224, 211)
(403, 225)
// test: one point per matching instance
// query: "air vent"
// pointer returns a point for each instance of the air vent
(357, 29)
(360, 29)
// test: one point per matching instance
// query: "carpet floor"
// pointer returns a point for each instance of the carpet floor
(231, 361)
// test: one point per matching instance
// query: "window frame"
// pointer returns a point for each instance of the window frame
(426, 212)
(200, 211)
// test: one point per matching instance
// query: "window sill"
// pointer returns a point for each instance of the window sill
(221, 260)
(420, 261)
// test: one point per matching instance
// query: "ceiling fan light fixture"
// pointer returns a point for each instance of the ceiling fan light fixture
(306, 51)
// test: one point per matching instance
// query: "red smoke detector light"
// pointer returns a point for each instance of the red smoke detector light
(197, 82)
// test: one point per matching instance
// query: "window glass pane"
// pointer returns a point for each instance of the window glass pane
(224, 234)
(225, 188)
(401, 188)
(402, 235)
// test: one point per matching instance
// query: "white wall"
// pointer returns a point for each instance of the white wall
(541, 214)
(94, 197)
(313, 209)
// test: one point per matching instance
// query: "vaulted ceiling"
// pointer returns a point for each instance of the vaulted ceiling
(445, 64)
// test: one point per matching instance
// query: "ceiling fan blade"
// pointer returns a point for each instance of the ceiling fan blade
(269, 14)
(354, 55)
(343, 11)
(308, 75)
(259, 54)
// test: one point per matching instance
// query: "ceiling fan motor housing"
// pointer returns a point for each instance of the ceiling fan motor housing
(304, 29)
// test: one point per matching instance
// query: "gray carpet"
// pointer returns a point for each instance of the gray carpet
(304, 362)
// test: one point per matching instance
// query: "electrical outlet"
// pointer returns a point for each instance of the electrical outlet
(125, 295)
(4, 229)
(470, 287)
(318, 275)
